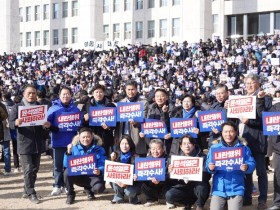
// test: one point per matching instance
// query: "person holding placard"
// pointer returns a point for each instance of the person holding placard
(184, 191)
(64, 118)
(228, 184)
(83, 145)
(105, 132)
(30, 142)
(125, 154)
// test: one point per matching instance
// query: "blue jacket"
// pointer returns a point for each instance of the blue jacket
(230, 183)
(61, 138)
(98, 151)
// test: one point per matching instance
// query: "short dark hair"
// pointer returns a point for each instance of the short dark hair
(189, 96)
(229, 123)
(131, 83)
(191, 139)
(162, 90)
(29, 86)
(129, 141)
(219, 86)
(98, 86)
(65, 88)
(85, 129)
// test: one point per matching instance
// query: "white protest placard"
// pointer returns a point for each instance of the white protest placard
(217, 66)
(275, 61)
(118, 172)
(32, 115)
(242, 107)
(187, 168)
(206, 84)
(108, 44)
(99, 45)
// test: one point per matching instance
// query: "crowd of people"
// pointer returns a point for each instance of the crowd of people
(172, 81)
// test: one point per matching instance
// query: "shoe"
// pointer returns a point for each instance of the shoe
(56, 191)
(90, 196)
(24, 195)
(187, 208)
(262, 206)
(170, 206)
(116, 202)
(274, 208)
(16, 170)
(150, 203)
(33, 198)
(7, 173)
(64, 190)
(199, 208)
(70, 199)
(247, 202)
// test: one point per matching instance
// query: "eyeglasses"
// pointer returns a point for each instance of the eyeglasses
(250, 83)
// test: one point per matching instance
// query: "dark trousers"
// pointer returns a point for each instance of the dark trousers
(30, 167)
(15, 154)
(188, 194)
(90, 183)
(152, 191)
(262, 179)
(276, 180)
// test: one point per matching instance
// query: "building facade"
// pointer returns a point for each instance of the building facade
(239, 18)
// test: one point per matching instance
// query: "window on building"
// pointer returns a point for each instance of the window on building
(37, 38)
(105, 6)
(163, 28)
(127, 5)
(127, 30)
(163, 3)
(116, 31)
(139, 4)
(55, 37)
(151, 29)
(106, 31)
(46, 11)
(37, 13)
(116, 6)
(46, 37)
(74, 35)
(176, 27)
(65, 36)
(258, 23)
(139, 30)
(28, 14)
(235, 25)
(55, 11)
(277, 20)
(65, 9)
(21, 14)
(216, 23)
(28, 39)
(151, 4)
(20, 39)
(176, 2)
(74, 8)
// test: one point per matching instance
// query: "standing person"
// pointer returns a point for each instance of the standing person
(228, 186)
(252, 131)
(104, 131)
(30, 143)
(83, 144)
(5, 137)
(60, 138)
(275, 140)
(132, 128)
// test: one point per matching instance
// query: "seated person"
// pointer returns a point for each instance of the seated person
(92, 183)
(125, 154)
(228, 185)
(188, 192)
(154, 189)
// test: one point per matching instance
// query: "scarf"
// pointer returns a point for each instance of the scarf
(26, 103)
(188, 114)
(125, 157)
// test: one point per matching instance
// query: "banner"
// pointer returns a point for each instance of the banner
(271, 123)
(128, 111)
(211, 119)
(187, 168)
(180, 127)
(242, 107)
(100, 115)
(227, 158)
(153, 128)
(69, 121)
(81, 165)
(118, 172)
(32, 115)
(148, 168)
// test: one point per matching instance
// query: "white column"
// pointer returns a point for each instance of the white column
(272, 20)
(245, 26)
